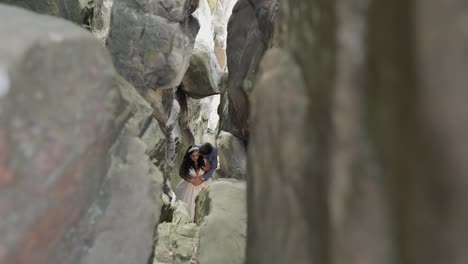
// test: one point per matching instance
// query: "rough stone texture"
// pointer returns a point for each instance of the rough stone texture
(222, 13)
(249, 31)
(166, 138)
(130, 213)
(153, 54)
(218, 173)
(201, 113)
(181, 214)
(223, 108)
(212, 127)
(101, 19)
(379, 168)
(281, 173)
(173, 10)
(177, 238)
(67, 194)
(148, 50)
(68, 9)
(204, 73)
(221, 215)
(155, 139)
(172, 110)
(176, 243)
(232, 155)
(166, 109)
(53, 149)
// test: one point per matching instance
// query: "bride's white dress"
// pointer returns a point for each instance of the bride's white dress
(187, 192)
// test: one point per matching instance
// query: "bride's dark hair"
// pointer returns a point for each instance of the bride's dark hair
(188, 163)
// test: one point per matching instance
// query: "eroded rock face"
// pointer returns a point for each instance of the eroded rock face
(173, 10)
(203, 75)
(221, 215)
(68, 9)
(134, 182)
(277, 159)
(232, 155)
(74, 173)
(151, 43)
(101, 18)
(350, 160)
(177, 239)
(148, 50)
(249, 32)
(221, 14)
(176, 243)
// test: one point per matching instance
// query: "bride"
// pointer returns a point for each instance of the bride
(191, 170)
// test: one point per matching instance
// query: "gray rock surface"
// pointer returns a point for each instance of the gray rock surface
(148, 50)
(201, 113)
(47, 136)
(221, 13)
(176, 243)
(101, 19)
(177, 237)
(74, 172)
(173, 10)
(130, 193)
(204, 73)
(232, 155)
(221, 215)
(223, 108)
(68, 9)
(250, 29)
(360, 106)
(279, 164)
(130, 204)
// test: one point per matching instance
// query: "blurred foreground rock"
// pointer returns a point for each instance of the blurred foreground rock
(76, 183)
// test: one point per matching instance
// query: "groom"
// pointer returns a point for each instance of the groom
(211, 154)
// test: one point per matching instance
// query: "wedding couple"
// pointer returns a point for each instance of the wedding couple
(200, 161)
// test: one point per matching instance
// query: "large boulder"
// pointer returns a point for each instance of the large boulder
(150, 51)
(69, 9)
(365, 161)
(278, 164)
(153, 54)
(232, 155)
(250, 29)
(204, 73)
(123, 219)
(221, 215)
(74, 174)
